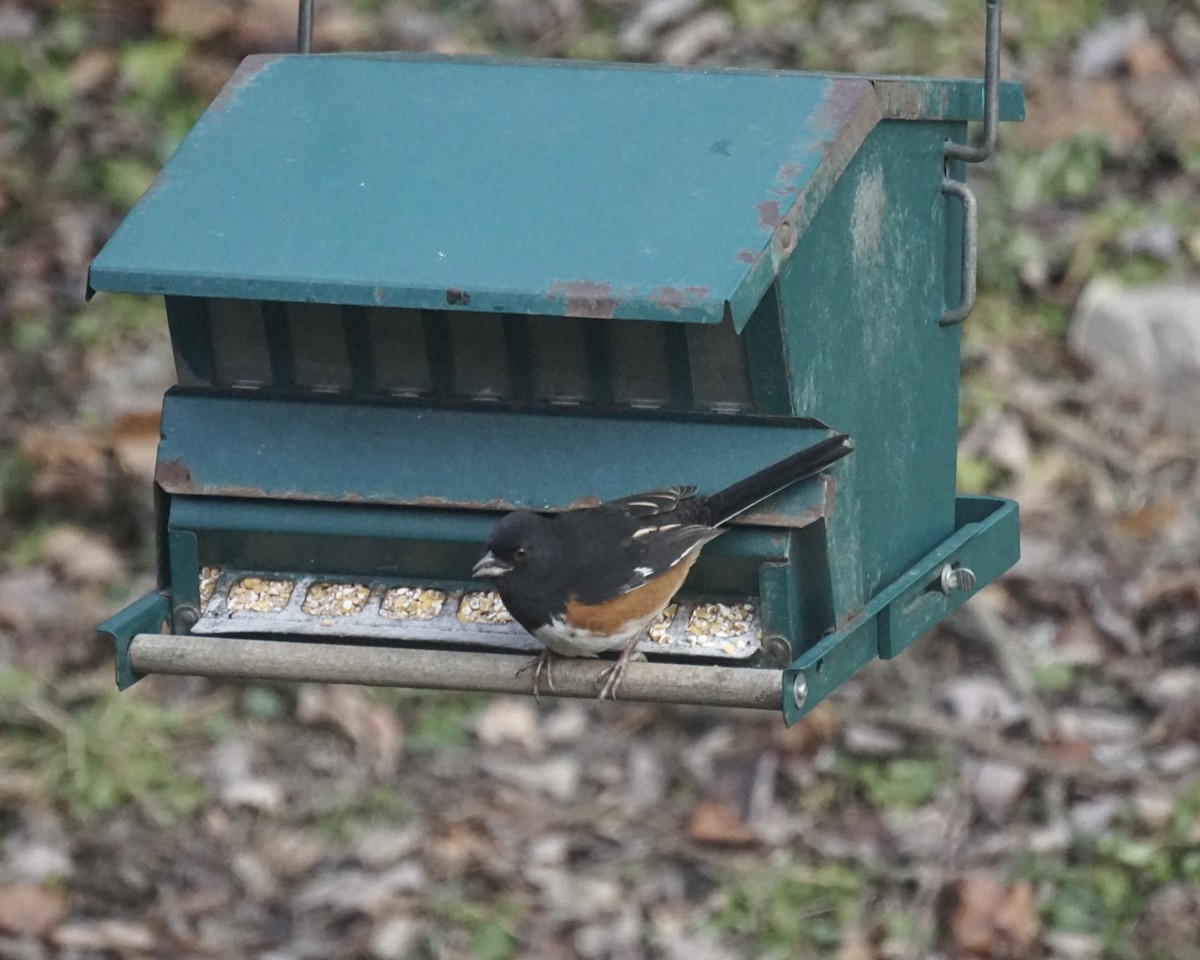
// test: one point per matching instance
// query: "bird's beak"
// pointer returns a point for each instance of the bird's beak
(490, 566)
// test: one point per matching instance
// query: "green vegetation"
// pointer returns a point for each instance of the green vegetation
(94, 754)
(787, 907)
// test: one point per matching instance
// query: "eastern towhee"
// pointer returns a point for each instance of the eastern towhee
(592, 579)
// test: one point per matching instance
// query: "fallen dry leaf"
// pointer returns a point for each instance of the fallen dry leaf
(1070, 750)
(133, 438)
(803, 739)
(860, 945)
(715, 823)
(71, 465)
(1061, 111)
(200, 20)
(992, 920)
(30, 910)
(373, 728)
(1150, 521)
(510, 720)
(80, 556)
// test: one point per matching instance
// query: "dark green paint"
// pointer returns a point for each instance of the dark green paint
(147, 614)
(474, 198)
(495, 186)
(986, 540)
(307, 448)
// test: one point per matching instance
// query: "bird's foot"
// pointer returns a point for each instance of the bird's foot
(540, 665)
(614, 672)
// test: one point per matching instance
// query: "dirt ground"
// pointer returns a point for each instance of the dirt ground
(1022, 783)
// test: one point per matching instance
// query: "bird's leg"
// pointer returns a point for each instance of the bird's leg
(613, 673)
(539, 665)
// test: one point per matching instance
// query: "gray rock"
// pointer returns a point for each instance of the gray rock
(1158, 240)
(1103, 49)
(699, 36)
(1145, 341)
(396, 937)
(16, 23)
(996, 787)
(637, 36)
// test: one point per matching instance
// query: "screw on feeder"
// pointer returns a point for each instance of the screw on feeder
(956, 578)
(186, 616)
(777, 652)
(799, 690)
(786, 235)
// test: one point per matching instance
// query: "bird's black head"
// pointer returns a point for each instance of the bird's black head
(521, 546)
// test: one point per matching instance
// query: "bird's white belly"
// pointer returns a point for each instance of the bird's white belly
(570, 642)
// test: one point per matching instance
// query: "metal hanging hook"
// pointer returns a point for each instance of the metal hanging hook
(991, 95)
(305, 28)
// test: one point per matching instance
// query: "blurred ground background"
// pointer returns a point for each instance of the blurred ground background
(1025, 782)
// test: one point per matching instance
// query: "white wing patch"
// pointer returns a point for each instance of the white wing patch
(646, 531)
(648, 571)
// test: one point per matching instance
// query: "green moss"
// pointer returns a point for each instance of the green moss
(353, 812)
(787, 907)
(902, 783)
(100, 754)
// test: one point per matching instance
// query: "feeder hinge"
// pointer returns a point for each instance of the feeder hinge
(304, 29)
(991, 95)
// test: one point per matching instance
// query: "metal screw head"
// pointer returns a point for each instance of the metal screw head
(957, 578)
(776, 652)
(787, 237)
(799, 690)
(186, 616)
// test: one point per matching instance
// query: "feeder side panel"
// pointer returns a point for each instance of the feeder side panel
(861, 299)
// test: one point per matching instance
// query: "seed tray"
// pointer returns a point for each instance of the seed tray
(273, 603)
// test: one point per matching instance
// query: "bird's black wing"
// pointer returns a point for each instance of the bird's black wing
(623, 544)
(652, 502)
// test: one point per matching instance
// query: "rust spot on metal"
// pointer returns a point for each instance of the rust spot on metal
(901, 100)
(585, 298)
(846, 622)
(787, 172)
(791, 521)
(769, 216)
(377, 295)
(748, 256)
(456, 297)
(674, 299)
(173, 476)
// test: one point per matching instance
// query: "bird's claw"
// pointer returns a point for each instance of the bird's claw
(614, 673)
(539, 665)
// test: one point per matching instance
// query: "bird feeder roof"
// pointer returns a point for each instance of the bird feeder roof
(509, 186)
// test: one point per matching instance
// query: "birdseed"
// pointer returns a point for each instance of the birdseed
(483, 606)
(711, 622)
(660, 629)
(208, 585)
(335, 599)
(412, 603)
(256, 595)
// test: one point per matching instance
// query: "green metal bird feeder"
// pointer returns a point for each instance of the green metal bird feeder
(407, 293)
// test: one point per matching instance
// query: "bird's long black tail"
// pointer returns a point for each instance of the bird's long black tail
(741, 496)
